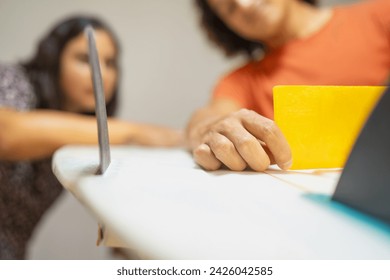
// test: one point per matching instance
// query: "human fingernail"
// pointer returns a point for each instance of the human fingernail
(286, 165)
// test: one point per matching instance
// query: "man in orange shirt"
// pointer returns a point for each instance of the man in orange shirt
(299, 44)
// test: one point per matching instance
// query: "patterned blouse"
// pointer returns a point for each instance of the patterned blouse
(27, 188)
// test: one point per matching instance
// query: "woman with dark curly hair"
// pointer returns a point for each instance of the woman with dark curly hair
(290, 42)
(46, 103)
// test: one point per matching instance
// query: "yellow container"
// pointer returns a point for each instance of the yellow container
(321, 123)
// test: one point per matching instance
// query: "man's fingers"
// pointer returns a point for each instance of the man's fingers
(242, 139)
(249, 148)
(268, 132)
(205, 157)
(270, 155)
(225, 151)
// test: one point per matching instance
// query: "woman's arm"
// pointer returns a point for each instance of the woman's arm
(37, 134)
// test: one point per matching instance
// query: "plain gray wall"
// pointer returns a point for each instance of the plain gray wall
(169, 69)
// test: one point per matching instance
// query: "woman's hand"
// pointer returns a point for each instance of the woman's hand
(153, 135)
(38, 134)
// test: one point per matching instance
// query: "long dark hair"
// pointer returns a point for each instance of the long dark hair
(43, 68)
(217, 31)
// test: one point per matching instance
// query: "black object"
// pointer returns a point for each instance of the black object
(365, 181)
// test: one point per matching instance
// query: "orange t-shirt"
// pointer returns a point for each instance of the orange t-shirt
(353, 48)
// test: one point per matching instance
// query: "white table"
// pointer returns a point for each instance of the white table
(161, 203)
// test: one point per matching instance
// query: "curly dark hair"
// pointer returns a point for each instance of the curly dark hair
(231, 43)
(43, 67)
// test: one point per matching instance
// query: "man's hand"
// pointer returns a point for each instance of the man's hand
(239, 140)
